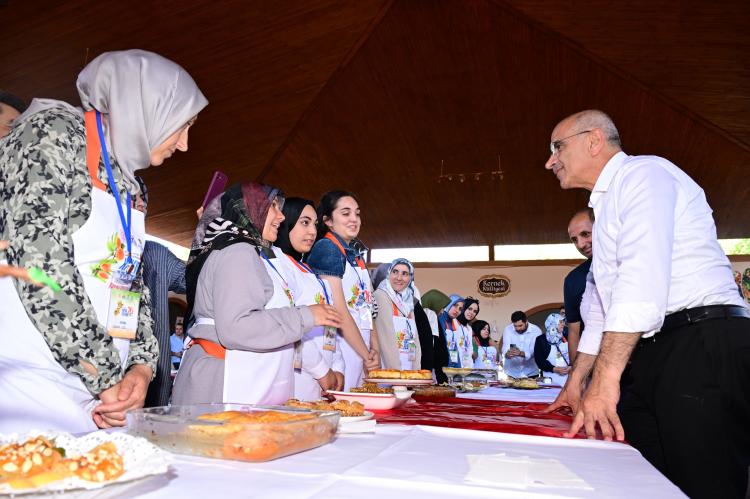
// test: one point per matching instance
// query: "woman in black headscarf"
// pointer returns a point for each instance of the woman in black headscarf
(247, 328)
(469, 313)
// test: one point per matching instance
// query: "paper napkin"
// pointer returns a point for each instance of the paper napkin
(521, 471)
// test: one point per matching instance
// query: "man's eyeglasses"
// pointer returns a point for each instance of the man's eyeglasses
(554, 145)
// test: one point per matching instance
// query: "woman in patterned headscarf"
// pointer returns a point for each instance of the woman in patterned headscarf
(66, 180)
(551, 350)
(247, 328)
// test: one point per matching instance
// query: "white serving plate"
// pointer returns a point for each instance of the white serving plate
(141, 459)
(368, 415)
(375, 401)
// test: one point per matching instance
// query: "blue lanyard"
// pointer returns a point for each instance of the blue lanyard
(125, 226)
(281, 276)
(322, 284)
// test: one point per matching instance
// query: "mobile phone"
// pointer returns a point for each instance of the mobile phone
(217, 187)
(513, 346)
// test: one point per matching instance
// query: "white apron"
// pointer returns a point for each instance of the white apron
(556, 358)
(265, 378)
(463, 339)
(310, 292)
(406, 329)
(35, 391)
(486, 358)
(359, 303)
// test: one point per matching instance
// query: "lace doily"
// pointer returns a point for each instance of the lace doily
(140, 458)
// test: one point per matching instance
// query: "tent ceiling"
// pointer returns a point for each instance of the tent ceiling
(371, 95)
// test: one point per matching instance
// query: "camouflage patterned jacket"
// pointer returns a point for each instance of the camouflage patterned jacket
(45, 196)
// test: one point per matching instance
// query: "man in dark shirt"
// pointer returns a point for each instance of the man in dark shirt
(579, 230)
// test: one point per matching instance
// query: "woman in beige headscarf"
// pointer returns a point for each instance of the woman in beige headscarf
(66, 176)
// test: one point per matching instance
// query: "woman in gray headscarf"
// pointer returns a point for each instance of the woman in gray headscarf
(66, 179)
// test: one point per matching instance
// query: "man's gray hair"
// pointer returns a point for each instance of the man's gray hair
(593, 118)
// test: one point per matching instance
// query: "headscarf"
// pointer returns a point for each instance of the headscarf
(467, 302)
(144, 193)
(292, 210)
(435, 300)
(477, 327)
(233, 217)
(444, 317)
(404, 299)
(553, 335)
(144, 99)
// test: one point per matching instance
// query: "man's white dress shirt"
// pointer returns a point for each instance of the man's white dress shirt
(655, 250)
(519, 367)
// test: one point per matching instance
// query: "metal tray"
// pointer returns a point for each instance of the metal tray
(178, 429)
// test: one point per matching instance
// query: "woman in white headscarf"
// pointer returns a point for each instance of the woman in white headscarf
(551, 350)
(397, 330)
(66, 180)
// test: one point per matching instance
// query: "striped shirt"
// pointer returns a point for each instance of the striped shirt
(162, 272)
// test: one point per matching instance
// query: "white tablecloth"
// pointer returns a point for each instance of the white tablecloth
(411, 462)
(544, 395)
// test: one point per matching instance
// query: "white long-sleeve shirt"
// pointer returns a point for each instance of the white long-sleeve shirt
(655, 250)
(521, 366)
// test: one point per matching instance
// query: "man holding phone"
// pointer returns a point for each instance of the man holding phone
(518, 347)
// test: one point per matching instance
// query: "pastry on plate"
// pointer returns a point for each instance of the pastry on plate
(34, 456)
(421, 374)
(526, 383)
(385, 374)
(349, 409)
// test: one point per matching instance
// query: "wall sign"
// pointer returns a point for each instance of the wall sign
(493, 286)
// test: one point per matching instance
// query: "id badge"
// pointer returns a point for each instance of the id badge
(122, 315)
(412, 350)
(454, 356)
(298, 354)
(329, 340)
(365, 316)
(466, 361)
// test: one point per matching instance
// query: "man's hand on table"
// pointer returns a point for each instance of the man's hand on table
(570, 396)
(599, 405)
(130, 393)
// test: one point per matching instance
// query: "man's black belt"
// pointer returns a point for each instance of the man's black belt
(700, 314)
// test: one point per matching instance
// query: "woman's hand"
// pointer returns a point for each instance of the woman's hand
(373, 360)
(339, 381)
(562, 371)
(327, 382)
(108, 396)
(131, 395)
(326, 315)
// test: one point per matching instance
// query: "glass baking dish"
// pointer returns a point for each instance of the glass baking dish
(178, 429)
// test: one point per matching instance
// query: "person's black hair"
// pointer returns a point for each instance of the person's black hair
(477, 327)
(13, 101)
(562, 307)
(468, 301)
(328, 203)
(292, 210)
(588, 211)
(518, 316)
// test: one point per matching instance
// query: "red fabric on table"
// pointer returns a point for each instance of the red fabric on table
(525, 418)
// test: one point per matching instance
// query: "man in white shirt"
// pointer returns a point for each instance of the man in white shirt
(661, 289)
(519, 361)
